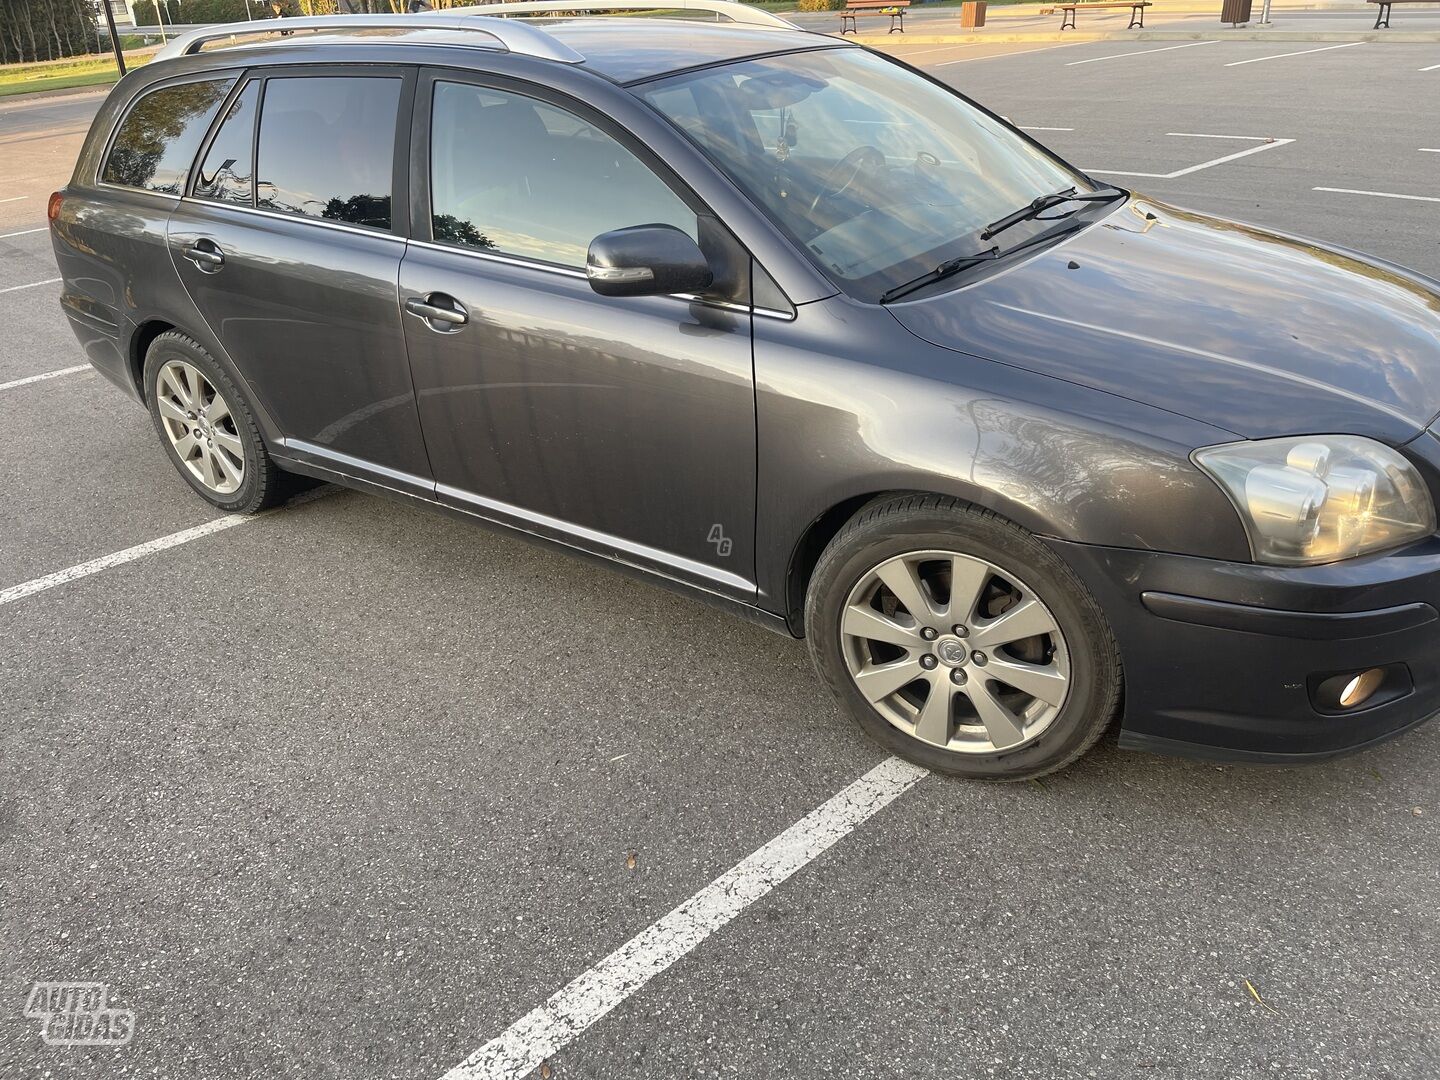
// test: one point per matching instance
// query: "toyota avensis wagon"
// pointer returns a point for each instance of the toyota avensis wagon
(791, 326)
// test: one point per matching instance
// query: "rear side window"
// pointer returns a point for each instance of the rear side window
(226, 174)
(160, 134)
(327, 148)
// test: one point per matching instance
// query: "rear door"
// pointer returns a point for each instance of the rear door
(624, 426)
(290, 244)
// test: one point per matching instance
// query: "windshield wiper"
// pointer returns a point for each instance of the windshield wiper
(1045, 202)
(944, 270)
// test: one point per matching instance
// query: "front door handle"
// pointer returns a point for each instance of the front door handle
(206, 255)
(440, 312)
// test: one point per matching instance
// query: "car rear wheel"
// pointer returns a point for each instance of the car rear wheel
(959, 641)
(207, 428)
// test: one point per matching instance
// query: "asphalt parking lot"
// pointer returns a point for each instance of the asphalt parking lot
(351, 790)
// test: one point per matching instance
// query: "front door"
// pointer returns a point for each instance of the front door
(622, 426)
(289, 248)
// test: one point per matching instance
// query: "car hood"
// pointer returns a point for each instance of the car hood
(1225, 323)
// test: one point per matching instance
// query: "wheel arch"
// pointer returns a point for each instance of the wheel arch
(824, 527)
(140, 341)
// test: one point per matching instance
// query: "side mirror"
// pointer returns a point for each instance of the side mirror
(646, 260)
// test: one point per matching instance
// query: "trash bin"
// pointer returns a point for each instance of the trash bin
(1234, 12)
(972, 15)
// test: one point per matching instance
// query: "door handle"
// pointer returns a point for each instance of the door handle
(206, 255)
(448, 311)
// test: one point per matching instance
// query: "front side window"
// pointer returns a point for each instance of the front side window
(160, 134)
(879, 173)
(518, 176)
(226, 174)
(327, 148)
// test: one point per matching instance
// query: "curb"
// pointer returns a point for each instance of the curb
(1398, 37)
(64, 91)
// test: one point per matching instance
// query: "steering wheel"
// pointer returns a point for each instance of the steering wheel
(863, 159)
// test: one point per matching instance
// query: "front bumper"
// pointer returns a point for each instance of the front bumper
(1222, 659)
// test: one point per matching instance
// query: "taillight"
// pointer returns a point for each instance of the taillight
(57, 200)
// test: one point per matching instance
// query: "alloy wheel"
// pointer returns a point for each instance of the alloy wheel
(955, 652)
(198, 423)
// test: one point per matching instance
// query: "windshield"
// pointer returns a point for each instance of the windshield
(878, 172)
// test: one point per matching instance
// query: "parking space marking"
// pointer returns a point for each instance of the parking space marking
(1302, 52)
(22, 232)
(1379, 194)
(1432, 67)
(43, 376)
(1269, 144)
(1430, 149)
(522, 1047)
(1140, 52)
(1198, 135)
(32, 285)
(1002, 56)
(1022, 127)
(140, 551)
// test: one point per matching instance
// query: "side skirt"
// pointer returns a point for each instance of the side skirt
(769, 620)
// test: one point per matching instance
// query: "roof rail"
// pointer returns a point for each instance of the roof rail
(735, 12)
(512, 35)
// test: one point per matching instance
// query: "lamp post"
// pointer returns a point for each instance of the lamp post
(114, 37)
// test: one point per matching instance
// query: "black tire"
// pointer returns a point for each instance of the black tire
(905, 524)
(261, 484)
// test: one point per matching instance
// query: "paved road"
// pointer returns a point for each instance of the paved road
(346, 791)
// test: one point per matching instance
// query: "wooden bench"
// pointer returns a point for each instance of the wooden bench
(1137, 11)
(894, 8)
(1382, 17)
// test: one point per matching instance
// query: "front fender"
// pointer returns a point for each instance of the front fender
(885, 411)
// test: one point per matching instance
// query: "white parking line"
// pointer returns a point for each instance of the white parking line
(540, 1033)
(1140, 52)
(1379, 194)
(1198, 135)
(22, 232)
(42, 377)
(1022, 127)
(1002, 56)
(1430, 149)
(139, 551)
(1269, 145)
(1432, 67)
(32, 285)
(1302, 52)
(14, 198)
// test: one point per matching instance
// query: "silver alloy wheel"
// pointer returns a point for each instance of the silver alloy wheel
(198, 423)
(955, 652)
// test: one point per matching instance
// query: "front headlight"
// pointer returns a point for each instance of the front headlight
(1320, 498)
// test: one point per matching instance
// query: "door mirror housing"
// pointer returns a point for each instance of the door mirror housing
(646, 260)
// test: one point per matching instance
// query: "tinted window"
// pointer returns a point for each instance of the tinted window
(515, 175)
(225, 174)
(158, 139)
(327, 147)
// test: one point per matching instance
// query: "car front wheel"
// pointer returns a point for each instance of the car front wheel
(959, 641)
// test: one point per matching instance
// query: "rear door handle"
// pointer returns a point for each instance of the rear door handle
(206, 255)
(438, 308)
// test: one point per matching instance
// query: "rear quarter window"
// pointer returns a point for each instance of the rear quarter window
(157, 141)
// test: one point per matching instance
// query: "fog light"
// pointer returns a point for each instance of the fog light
(1350, 689)
(1361, 688)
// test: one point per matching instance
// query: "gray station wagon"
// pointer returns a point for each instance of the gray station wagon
(788, 325)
